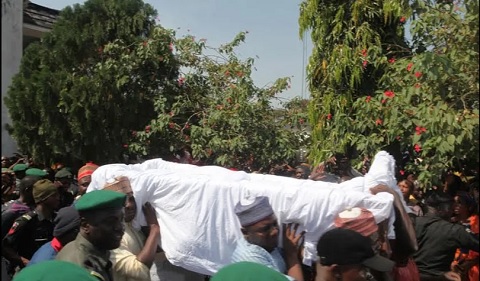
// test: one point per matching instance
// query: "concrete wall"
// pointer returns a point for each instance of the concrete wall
(12, 50)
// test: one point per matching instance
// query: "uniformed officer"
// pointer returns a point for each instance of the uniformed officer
(54, 271)
(63, 180)
(15, 208)
(33, 229)
(101, 230)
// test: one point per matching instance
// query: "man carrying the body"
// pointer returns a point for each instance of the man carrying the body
(259, 244)
(136, 254)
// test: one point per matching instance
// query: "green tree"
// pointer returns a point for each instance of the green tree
(90, 81)
(218, 111)
(424, 96)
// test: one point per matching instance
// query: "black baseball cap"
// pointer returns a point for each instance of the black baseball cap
(347, 247)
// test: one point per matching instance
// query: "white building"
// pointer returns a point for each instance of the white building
(23, 22)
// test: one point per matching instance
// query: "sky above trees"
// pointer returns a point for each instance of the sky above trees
(272, 25)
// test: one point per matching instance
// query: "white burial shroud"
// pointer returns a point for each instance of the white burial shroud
(195, 205)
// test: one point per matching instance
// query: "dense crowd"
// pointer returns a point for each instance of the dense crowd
(52, 228)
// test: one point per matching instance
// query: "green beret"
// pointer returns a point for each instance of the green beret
(54, 270)
(63, 174)
(101, 199)
(36, 172)
(43, 189)
(248, 271)
(20, 167)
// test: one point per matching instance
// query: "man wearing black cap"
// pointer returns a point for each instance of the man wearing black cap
(30, 231)
(63, 179)
(101, 230)
(346, 255)
(67, 226)
(260, 239)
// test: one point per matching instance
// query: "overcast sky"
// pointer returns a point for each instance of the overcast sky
(272, 25)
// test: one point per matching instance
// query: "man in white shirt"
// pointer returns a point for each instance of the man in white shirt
(260, 239)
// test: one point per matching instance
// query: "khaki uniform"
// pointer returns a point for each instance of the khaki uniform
(81, 252)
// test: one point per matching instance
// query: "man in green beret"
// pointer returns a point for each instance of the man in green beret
(33, 229)
(19, 171)
(63, 179)
(101, 230)
(54, 271)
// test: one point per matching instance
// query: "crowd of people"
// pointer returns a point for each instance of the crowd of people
(52, 228)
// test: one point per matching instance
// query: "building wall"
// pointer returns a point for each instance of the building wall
(12, 49)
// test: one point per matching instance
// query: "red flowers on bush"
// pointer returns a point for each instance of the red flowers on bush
(384, 101)
(409, 66)
(392, 60)
(364, 64)
(418, 74)
(402, 172)
(181, 81)
(301, 121)
(125, 146)
(329, 116)
(417, 148)
(417, 85)
(171, 125)
(368, 98)
(364, 52)
(389, 94)
(403, 20)
(378, 122)
(419, 130)
(148, 128)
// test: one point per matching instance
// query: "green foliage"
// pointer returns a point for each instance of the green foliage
(90, 81)
(217, 111)
(424, 98)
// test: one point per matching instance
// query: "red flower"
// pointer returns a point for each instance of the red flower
(227, 73)
(402, 172)
(417, 85)
(171, 125)
(170, 46)
(398, 137)
(147, 129)
(403, 19)
(134, 133)
(301, 121)
(239, 74)
(125, 146)
(392, 60)
(187, 126)
(368, 99)
(364, 52)
(181, 80)
(418, 74)
(378, 122)
(417, 148)
(329, 116)
(389, 94)
(364, 64)
(419, 130)
(384, 101)
(409, 66)
(145, 43)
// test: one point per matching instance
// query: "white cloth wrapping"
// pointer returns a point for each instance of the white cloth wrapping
(195, 205)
